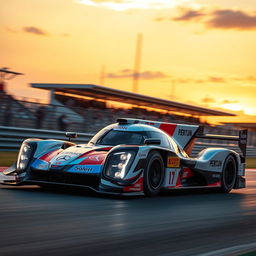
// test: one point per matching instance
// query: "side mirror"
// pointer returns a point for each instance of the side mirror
(72, 135)
(152, 141)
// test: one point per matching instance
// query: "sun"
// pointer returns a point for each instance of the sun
(122, 5)
(239, 107)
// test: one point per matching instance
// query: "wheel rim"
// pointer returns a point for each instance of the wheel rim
(230, 173)
(155, 174)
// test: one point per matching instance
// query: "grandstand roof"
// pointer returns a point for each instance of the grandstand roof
(106, 93)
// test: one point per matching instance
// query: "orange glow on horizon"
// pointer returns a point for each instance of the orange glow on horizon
(189, 53)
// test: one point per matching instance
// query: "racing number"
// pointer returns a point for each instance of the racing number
(173, 175)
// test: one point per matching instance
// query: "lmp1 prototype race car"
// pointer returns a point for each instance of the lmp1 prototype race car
(132, 156)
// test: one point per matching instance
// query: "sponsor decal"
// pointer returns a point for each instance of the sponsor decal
(71, 153)
(92, 169)
(216, 175)
(63, 158)
(97, 158)
(83, 168)
(215, 163)
(142, 155)
(121, 128)
(185, 132)
(173, 162)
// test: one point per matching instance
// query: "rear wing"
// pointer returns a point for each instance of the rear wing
(241, 138)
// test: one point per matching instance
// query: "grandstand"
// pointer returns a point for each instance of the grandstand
(92, 104)
(88, 108)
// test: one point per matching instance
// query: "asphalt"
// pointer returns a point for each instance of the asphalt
(34, 221)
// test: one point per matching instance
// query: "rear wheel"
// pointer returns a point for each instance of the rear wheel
(153, 174)
(228, 177)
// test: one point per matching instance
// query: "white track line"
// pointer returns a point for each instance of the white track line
(231, 250)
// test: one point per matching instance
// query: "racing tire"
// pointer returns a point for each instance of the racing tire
(229, 173)
(153, 174)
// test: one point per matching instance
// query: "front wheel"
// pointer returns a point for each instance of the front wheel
(153, 174)
(228, 177)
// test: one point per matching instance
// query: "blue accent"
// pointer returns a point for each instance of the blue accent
(40, 165)
(89, 169)
(78, 161)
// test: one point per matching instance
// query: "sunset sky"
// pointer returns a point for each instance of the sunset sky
(207, 48)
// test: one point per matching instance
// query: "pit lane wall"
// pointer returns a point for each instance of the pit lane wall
(12, 137)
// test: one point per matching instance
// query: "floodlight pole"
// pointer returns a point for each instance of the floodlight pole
(136, 72)
(173, 89)
(6, 74)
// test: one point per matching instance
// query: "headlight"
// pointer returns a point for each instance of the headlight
(119, 163)
(24, 156)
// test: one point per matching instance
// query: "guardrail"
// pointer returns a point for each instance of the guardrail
(12, 137)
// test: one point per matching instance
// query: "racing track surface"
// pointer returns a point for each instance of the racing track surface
(40, 222)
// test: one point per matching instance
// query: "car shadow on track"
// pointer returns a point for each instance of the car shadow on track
(86, 192)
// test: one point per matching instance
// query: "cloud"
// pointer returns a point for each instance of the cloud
(215, 79)
(219, 18)
(128, 73)
(247, 79)
(230, 101)
(183, 80)
(122, 5)
(35, 31)
(251, 78)
(231, 19)
(210, 79)
(208, 100)
(189, 14)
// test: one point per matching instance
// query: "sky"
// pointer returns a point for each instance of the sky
(201, 52)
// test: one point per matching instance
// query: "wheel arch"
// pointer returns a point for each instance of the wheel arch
(163, 152)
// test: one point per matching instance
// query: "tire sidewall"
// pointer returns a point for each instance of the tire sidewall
(148, 189)
(224, 186)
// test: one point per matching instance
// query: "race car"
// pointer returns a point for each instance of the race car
(132, 156)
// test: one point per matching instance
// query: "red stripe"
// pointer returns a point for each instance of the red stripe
(3, 168)
(138, 186)
(168, 128)
(48, 156)
(216, 184)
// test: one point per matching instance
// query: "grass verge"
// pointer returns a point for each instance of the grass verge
(7, 158)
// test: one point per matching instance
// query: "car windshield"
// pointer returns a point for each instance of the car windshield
(114, 137)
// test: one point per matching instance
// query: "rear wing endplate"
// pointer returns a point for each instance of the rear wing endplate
(241, 138)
